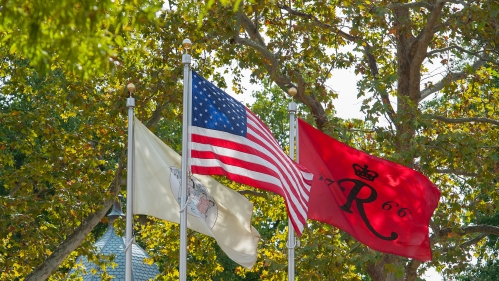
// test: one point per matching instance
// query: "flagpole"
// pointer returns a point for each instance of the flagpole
(130, 103)
(291, 231)
(186, 61)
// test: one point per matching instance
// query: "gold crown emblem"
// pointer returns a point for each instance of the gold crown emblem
(364, 173)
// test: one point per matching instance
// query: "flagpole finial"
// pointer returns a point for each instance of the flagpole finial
(292, 91)
(131, 88)
(187, 45)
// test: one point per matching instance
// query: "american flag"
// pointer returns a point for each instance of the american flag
(228, 139)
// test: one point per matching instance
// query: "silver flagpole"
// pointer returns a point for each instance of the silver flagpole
(130, 103)
(291, 231)
(186, 61)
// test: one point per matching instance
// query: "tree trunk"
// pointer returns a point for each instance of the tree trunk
(411, 51)
(43, 271)
(411, 270)
(378, 272)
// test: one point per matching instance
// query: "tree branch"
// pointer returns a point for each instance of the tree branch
(318, 22)
(473, 241)
(411, 5)
(425, 36)
(15, 189)
(262, 49)
(459, 2)
(371, 60)
(156, 116)
(411, 270)
(466, 244)
(460, 173)
(482, 228)
(256, 42)
(252, 29)
(284, 82)
(43, 271)
(436, 51)
(239, 15)
(453, 76)
(315, 107)
(463, 120)
(253, 193)
(367, 48)
(476, 54)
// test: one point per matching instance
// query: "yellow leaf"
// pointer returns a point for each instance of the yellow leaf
(13, 48)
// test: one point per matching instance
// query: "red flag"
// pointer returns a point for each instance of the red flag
(382, 204)
(228, 139)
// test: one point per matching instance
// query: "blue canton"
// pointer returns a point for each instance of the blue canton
(213, 109)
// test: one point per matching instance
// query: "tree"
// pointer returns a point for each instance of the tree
(394, 41)
(86, 35)
(442, 125)
(486, 267)
(58, 163)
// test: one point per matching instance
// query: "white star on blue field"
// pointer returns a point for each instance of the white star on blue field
(214, 109)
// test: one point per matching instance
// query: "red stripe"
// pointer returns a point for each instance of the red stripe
(215, 141)
(295, 189)
(270, 138)
(231, 161)
(260, 130)
(276, 151)
(283, 164)
(239, 178)
(293, 183)
(239, 147)
(251, 182)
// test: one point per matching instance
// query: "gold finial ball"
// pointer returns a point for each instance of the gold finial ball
(187, 44)
(130, 87)
(292, 91)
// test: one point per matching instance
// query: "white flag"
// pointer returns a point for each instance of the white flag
(213, 209)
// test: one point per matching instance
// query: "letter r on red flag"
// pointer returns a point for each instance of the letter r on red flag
(382, 204)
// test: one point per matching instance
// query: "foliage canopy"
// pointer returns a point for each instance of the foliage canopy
(427, 79)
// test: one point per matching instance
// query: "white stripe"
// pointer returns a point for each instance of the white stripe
(252, 159)
(307, 175)
(249, 158)
(286, 160)
(230, 168)
(255, 122)
(290, 169)
(243, 172)
(223, 151)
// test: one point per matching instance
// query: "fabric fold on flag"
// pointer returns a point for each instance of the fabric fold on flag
(213, 209)
(228, 139)
(382, 204)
